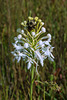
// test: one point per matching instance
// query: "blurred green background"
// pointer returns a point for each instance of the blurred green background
(15, 78)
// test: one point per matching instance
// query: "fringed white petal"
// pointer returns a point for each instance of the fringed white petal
(40, 57)
(43, 29)
(29, 65)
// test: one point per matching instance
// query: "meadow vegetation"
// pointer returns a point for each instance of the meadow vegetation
(15, 78)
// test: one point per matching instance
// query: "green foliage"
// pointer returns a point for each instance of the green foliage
(14, 81)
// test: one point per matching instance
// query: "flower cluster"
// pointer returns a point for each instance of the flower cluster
(32, 44)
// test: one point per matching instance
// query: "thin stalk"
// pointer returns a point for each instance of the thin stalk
(44, 93)
(32, 77)
(38, 88)
(6, 94)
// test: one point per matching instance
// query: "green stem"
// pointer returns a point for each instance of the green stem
(32, 77)
(38, 88)
(44, 92)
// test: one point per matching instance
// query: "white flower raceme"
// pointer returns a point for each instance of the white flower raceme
(32, 45)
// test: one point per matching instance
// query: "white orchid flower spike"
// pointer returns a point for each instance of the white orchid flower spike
(31, 44)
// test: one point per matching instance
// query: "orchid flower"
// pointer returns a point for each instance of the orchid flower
(32, 42)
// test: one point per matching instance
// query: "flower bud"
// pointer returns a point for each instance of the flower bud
(25, 22)
(43, 29)
(33, 33)
(22, 23)
(36, 18)
(19, 36)
(49, 35)
(22, 31)
(42, 23)
(30, 18)
(40, 20)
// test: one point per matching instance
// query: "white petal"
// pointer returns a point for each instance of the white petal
(14, 53)
(18, 59)
(40, 57)
(52, 55)
(47, 53)
(26, 45)
(49, 36)
(43, 29)
(17, 46)
(22, 31)
(19, 36)
(37, 70)
(50, 58)
(46, 42)
(20, 54)
(42, 23)
(29, 65)
(33, 33)
(40, 42)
